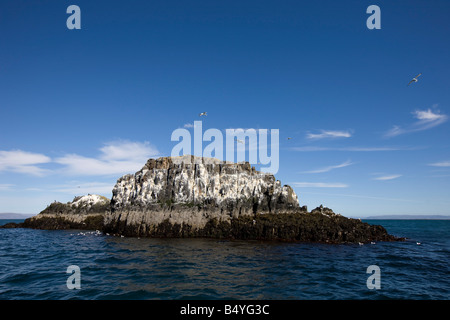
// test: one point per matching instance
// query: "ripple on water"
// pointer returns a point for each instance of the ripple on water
(33, 265)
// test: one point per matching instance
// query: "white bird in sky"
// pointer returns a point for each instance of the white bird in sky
(202, 114)
(240, 141)
(414, 79)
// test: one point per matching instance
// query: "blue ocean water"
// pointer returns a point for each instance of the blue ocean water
(33, 266)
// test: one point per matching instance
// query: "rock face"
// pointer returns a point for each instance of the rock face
(84, 212)
(192, 191)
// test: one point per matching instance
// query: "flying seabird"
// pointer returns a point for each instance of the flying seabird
(414, 79)
(240, 141)
(202, 114)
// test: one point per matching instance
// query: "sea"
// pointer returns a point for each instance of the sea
(91, 265)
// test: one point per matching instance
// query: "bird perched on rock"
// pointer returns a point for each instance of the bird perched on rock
(414, 79)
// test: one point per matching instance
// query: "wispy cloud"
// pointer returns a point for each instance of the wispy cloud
(362, 196)
(440, 176)
(426, 119)
(328, 134)
(388, 177)
(103, 188)
(440, 164)
(189, 125)
(23, 162)
(329, 168)
(354, 149)
(4, 187)
(319, 185)
(118, 157)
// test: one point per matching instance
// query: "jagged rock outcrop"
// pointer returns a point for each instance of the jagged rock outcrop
(191, 191)
(84, 212)
(323, 210)
(208, 183)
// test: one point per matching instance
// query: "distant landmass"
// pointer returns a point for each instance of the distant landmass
(408, 217)
(15, 215)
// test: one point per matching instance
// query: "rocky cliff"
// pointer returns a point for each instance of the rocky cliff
(192, 191)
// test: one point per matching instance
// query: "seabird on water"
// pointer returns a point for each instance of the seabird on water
(414, 79)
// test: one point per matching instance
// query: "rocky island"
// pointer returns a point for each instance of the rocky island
(204, 197)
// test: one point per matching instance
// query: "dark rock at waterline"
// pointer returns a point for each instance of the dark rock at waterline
(94, 222)
(84, 212)
(300, 226)
(11, 225)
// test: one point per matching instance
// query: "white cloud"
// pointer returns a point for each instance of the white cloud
(116, 158)
(23, 162)
(188, 125)
(124, 150)
(428, 115)
(329, 168)
(440, 164)
(318, 185)
(426, 119)
(388, 177)
(328, 134)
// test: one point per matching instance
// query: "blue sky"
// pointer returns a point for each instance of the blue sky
(80, 108)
